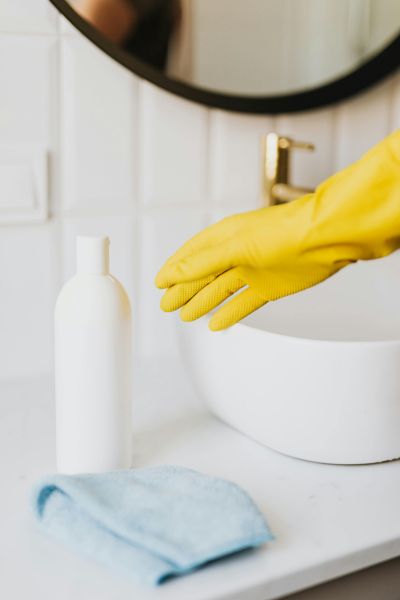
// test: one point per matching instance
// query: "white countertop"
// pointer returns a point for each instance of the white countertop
(328, 520)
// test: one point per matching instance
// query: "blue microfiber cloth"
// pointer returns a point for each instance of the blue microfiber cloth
(150, 523)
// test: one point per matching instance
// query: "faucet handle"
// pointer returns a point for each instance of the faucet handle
(286, 143)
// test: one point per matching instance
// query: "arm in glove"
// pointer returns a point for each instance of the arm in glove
(276, 251)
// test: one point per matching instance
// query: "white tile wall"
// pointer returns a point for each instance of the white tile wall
(235, 158)
(394, 115)
(137, 163)
(28, 102)
(27, 16)
(28, 283)
(361, 123)
(173, 133)
(98, 130)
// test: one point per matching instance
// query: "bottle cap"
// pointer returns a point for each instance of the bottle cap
(92, 254)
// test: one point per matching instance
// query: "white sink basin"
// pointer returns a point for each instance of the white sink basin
(315, 375)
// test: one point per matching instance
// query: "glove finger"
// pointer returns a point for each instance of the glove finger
(210, 236)
(213, 294)
(211, 260)
(236, 309)
(177, 295)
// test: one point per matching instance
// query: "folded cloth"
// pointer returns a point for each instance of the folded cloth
(150, 523)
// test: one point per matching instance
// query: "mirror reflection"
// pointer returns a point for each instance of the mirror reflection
(252, 47)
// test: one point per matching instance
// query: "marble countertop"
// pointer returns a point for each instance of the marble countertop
(328, 520)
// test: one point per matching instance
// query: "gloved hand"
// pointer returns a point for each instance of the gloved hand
(280, 250)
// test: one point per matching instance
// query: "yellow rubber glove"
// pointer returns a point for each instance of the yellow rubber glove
(280, 250)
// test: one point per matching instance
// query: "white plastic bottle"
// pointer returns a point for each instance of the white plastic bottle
(93, 366)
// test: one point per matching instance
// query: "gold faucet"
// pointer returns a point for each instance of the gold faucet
(276, 169)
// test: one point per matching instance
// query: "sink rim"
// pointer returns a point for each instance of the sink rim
(301, 340)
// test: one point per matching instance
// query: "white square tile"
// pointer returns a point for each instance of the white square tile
(236, 158)
(361, 123)
(98, 135)
(27, 98)
(27, 16)
(161, 233)
(173, 150)
(28, 284)
(309, 168)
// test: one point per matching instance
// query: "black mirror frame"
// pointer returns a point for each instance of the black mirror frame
(368, 74)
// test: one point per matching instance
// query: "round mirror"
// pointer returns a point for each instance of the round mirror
(261, 56)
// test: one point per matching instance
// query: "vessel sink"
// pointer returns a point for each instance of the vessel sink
(315, 375)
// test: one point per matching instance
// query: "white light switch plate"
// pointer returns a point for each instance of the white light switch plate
(23, 183)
